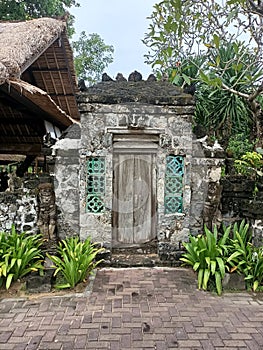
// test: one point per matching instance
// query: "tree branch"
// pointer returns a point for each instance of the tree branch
(253, 96)
(258, 9)
(235, 92)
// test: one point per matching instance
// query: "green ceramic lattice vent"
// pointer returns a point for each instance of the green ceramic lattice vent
(95, 184)
(173, 196)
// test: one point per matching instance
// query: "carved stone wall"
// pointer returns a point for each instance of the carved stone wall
(242, 199)
(19, 204)
(66, 182)
(111, 108)
(155, 109)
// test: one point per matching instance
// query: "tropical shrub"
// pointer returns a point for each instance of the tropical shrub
(20, 254)
(211, 256)
(246, 258)
(207, 255)
(238, 145)
(74, 261)
(250, 164)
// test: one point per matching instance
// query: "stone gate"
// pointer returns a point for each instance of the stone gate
(134, 174)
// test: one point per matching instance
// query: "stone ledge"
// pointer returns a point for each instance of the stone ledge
(155, 93)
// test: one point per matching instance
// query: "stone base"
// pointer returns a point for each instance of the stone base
(170, 254)
(134, 260)
(233, 281)
(39, 284)
(143, 256)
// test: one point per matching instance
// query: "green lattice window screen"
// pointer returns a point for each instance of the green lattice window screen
(95, 184)
(173, 196)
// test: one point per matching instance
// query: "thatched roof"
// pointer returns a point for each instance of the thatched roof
(22, 42)
(37, 80)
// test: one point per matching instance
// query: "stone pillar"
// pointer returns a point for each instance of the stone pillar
(66, 183)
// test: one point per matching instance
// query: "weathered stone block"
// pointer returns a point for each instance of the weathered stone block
(233, 281)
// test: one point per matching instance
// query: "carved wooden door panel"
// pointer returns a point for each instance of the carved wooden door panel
(134, 198)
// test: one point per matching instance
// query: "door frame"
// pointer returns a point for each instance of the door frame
(140, 144)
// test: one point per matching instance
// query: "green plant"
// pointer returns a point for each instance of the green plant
(74, 260)
(20, 254)
(254, 277)
(238, 145)
(250, 164)
(207, 254)
(246, 258)
(211, 256)
(232, 71)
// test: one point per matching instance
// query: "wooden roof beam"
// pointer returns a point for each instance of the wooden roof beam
(47, 69)
(21, 148)
(22, 100)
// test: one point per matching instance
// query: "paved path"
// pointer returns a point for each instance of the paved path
(148, 309)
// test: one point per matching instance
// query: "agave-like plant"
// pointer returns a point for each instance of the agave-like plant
(245, 258)
(207, 255)
(20, 254)
(75, 260)
(219, 110)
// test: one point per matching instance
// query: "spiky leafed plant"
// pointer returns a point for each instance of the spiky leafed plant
(207, 255)
(74, 260)
(220, 110)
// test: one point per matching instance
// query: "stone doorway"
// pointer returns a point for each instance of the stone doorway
(134, 190)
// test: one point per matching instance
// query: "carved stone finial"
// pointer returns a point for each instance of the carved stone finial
(135, 76)
(190, 89)
(151, 77)
(81, 85)
(165, 77)
(120, 77)
(106, 77)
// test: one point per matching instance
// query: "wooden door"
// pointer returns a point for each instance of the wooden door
(134, 198)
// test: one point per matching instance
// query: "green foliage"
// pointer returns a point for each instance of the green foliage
(92, 56)
(246, 258)
(238, 145)
(25, 10)
(74, 260)
(228, 89)
(206, 254)
(19, 255)
(180, 28)
(250, 164)
(221, 113)
(221, 110)
(186, 72)
(211, 256)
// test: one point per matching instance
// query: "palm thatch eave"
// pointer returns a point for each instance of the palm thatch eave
(23, 42)
(41, 99)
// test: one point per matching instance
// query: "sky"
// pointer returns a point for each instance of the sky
(122, 24)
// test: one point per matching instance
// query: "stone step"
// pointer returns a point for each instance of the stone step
(134, 260)
(144, 249)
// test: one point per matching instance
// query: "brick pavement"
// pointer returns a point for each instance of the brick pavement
(147, 308)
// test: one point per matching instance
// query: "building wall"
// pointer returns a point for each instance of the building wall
(239, 201)
(158, 109)
(19, 204)
(66, 184)
(111, 107)
(99, 122)
(173, 123)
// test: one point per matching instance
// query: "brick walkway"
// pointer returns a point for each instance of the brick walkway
(157, 308)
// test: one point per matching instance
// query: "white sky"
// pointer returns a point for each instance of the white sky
(121, 23)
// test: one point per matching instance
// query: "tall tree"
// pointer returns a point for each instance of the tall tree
(92, 56)
(181, 29)
(29, 9)
(19, 9)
